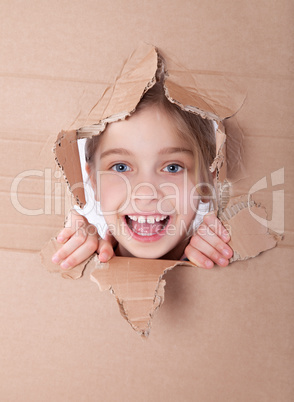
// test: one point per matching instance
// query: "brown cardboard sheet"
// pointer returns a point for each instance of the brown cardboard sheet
(221, 334)
(215, 99)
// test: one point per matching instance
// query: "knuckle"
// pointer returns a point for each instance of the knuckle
(208, 218)
(61, 254)
(92, 230)
(202, 230)
(194, 241)
(218, 243)
(218, 227)
(81, 236)
(72, 261)
(91, 246)
(191, 255)
(214, 256)
(210, 230)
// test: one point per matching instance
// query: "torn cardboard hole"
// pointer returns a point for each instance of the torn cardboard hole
(212, 97)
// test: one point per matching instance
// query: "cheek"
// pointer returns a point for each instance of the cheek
(113, 191)
(179, 195)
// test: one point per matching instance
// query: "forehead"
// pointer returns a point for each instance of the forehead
(149, 125)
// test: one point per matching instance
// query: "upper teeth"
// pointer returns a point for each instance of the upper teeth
(148, 219)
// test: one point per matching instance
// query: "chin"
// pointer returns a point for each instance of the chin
(147, 252)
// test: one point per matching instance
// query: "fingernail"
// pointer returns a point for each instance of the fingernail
(226, 252)
(222, 261)
(226, 235)
(60, 239)
(103, 257)
(65, 265)
(55, 259)
(208, 264)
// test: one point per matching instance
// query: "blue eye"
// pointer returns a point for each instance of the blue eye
(121, 167)
(173, 168)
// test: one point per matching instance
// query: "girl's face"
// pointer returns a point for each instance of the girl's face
(146, 180)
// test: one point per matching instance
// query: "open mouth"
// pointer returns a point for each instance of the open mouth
(147, 226)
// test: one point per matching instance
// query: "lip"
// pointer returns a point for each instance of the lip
(146, 239)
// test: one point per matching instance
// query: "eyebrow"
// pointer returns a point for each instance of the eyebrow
(174, 150)
(163, 151)
(115, 151)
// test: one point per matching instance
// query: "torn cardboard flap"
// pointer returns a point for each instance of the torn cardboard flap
(120, 99)
(137, 285)
(68, 159)
(212, 96)
(248, 236)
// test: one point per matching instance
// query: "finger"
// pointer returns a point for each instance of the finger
(80, 254)
(197, 258)
(73, 223)
(214, 240)
(199, 244)
(65, 234)
(105, 250)
(216, 226)
(77, 239)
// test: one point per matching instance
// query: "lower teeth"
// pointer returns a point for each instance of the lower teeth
(143, 234)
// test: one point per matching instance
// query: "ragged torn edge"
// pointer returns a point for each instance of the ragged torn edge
(97, 128)
(249, 237)
(69, 139)
(106, 279)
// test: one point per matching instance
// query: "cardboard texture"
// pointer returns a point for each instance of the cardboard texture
(222, 334)
(138, 287)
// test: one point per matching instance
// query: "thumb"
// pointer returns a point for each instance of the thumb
(105, 250)
(110, 239)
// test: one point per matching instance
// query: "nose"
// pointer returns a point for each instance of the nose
(145, 191)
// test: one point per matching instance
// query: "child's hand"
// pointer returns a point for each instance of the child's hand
(208, 245)
(80, 240)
